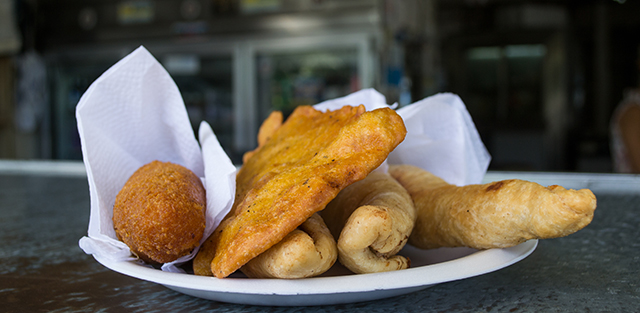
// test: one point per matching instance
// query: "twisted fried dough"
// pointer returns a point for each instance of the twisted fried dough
(495, 215)
(308, 251)
(372, 220)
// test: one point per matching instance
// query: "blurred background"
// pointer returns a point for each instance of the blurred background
(540, 78)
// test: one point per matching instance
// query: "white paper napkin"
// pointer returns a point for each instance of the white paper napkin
(441, 136)
(370, 98)
(131, 115)
(442, 139)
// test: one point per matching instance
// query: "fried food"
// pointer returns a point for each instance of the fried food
(372, 220)
(308, 251)
(494, 215)
(268, 127)
(160, 212)
(304, 165)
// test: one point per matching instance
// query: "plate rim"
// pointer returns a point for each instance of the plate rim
(475, 264)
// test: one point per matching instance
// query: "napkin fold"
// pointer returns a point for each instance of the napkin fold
(441, 136)
(134, 114)
(442, 139)
(131, 115)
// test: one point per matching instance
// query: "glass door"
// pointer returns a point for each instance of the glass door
(287, 80)
(203, 77)
(205, 83)
(283, 73)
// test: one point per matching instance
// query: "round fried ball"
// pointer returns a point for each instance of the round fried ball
(160, 212)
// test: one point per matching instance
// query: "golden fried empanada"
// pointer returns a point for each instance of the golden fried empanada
(267, 129)
(372, 220)
(304, 165)
(308, 251)
(494, 215)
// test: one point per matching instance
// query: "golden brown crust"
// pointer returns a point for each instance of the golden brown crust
(308, 251)
(372, 220)
(160, 212)
(267, 129)
(494, 215)
(307, 161)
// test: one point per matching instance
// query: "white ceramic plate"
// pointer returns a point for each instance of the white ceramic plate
(338, 285)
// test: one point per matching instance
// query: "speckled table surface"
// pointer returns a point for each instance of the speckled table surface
(42, 269)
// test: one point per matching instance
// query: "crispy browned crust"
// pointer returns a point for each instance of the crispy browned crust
(267, 129)
(304, 165)
(494, 215)
(160, 212)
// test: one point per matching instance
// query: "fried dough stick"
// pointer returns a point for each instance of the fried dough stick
(372, 220)
(494, 215)
(308, 251)
(304, 165)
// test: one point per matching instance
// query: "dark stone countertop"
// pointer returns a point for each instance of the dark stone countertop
(42, 269)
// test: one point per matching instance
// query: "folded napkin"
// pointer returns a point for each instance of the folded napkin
(131, 115)
(441, 137)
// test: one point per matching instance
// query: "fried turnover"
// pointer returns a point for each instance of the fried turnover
(494, 215)
(304, 165)
(308, 251)
(372, 220)
(268, 127)
(160, 212)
